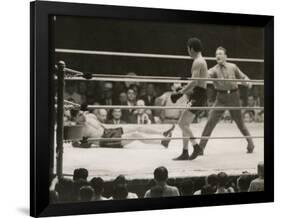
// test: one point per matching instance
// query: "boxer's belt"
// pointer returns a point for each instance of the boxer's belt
(227, 91)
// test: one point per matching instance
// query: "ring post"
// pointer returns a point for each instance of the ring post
(60, 114)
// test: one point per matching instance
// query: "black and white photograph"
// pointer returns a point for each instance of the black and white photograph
(147, 108)
(133, 109)
(154, 110)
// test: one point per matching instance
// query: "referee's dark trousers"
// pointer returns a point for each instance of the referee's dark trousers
(226, 99)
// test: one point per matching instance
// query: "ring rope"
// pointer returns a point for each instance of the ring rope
(72, 103)
(160, 107)
(147, 55)
(125, 78)
(137, 77)
(165, 138)
(211, 80)
(170, 107)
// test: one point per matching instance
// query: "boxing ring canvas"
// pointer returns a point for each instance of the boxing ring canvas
(150, 103)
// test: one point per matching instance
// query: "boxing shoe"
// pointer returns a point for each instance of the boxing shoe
(84, 143)
(184, 155)
(197, 150)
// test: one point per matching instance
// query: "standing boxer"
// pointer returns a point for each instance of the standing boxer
(196, 90)
(228, 96)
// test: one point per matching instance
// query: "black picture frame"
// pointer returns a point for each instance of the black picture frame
(41, 106)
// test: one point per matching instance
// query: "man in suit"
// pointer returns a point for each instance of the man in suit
(116, 117)
(128, 115)
(149, 97)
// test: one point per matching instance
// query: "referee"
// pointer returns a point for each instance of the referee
(228, 96)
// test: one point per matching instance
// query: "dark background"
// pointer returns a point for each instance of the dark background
(152, 37)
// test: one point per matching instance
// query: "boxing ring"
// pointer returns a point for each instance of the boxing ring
(225, 150)
(138, 159)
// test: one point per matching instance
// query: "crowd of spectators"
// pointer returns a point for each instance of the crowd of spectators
(148, 94)
(81, 188)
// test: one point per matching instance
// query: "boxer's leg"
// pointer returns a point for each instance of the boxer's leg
(142, 131)
(151, 130)
(139, 135)
(213, 119)
(184, 123)
(147, 129)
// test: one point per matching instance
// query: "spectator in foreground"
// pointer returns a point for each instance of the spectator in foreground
(120, 189)
(187, 187)
(161, 178)
(97, 184)
(86, 193)
(207, 190)
(64, 188)
(80, 173)
(210, 185)
(120, 193)
(156, 191)
(258, 183)
(243, 182)
(222, 184)
(77, 185)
